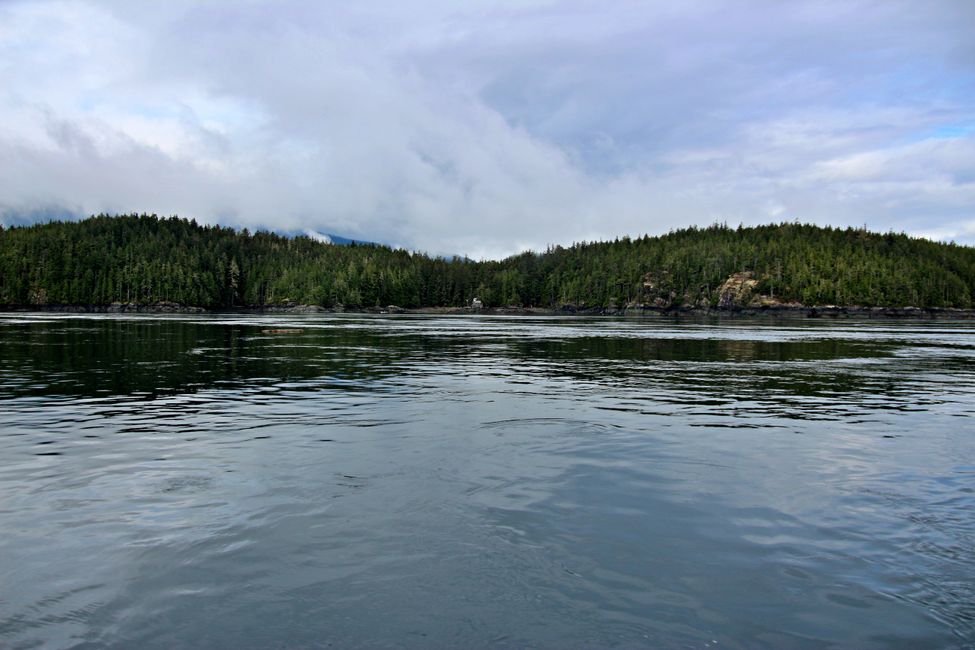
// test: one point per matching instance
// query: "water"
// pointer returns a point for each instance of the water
(431, 482)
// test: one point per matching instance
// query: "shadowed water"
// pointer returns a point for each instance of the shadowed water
(485, 482)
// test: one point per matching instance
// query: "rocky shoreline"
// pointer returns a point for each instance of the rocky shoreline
(775, 311)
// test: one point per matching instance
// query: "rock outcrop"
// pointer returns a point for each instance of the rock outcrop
(657, 290)
(736, 291)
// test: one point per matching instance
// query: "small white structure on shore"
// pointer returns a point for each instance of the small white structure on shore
(477, 304)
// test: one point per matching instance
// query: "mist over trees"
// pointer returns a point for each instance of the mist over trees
(145, 259)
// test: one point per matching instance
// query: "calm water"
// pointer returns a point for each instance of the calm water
(485, 482)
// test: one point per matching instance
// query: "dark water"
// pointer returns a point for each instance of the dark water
(485, 482)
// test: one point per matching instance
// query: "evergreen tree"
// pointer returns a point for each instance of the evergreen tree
(144, 259)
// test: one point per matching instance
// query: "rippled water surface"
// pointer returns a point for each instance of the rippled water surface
(485, 482)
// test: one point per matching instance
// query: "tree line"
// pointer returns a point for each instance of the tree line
(145, 259)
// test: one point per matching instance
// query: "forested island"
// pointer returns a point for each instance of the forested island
(141, 261)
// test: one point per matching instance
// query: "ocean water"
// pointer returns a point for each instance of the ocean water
(485, 482)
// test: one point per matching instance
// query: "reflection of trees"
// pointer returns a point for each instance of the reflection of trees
(118, 357)
(770, 372)
(125, 356)
(701, 350)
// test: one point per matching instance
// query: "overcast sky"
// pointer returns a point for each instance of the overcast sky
(485, 128)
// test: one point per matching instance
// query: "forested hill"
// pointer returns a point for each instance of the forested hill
(145, 259)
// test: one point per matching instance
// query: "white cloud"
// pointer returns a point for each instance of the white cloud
(484, 128)
(317, 236)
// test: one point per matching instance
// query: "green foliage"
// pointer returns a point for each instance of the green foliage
(145, 259)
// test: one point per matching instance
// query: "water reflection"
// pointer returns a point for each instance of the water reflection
(431, 482)
(117, 356)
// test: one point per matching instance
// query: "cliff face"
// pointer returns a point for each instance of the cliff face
(737, 290)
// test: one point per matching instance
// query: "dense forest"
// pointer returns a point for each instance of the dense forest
(144, 259)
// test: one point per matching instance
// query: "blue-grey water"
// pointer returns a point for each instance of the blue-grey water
(475, 482)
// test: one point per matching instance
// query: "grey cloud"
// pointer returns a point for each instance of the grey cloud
(484, 128)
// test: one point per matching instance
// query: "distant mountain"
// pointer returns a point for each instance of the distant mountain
(327, 238)
(345, 241)
(16, 217)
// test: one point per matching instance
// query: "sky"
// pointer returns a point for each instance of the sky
(487, 128)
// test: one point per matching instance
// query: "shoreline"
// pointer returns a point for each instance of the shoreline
(775, 311)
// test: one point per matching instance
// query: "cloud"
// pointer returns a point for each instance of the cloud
(325, 239)
(484, 128)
